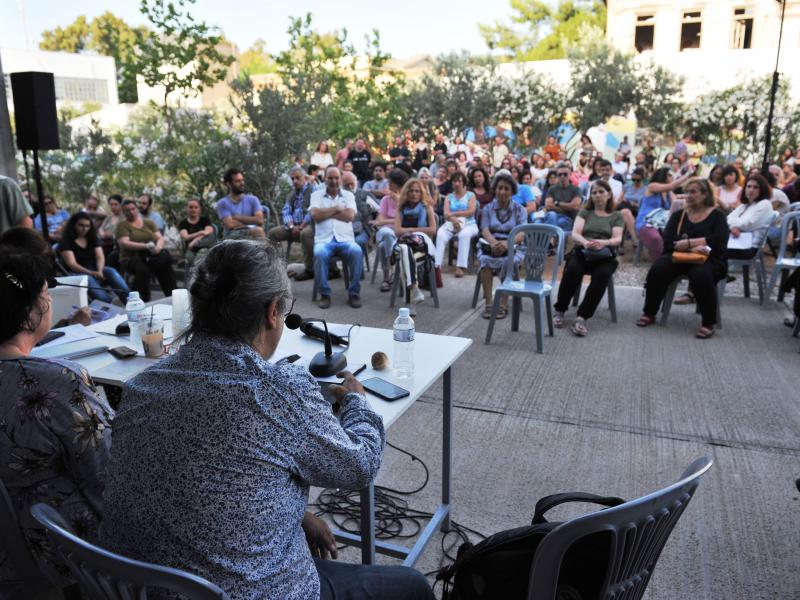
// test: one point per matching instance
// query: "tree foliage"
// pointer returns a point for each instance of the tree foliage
(539, 31)
(256, 60)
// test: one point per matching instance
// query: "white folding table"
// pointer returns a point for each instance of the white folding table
(434, 356)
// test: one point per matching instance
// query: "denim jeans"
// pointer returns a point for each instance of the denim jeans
(555, 218)
(386, 239)
(112, 279)
(362, 239)
(347, 581)
(350, 252)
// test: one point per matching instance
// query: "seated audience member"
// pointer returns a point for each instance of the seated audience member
(780, 201)
(698, 228)
(108, 227)
(550, 180)
(715, 175)
(422, 155)
(618, 192)
(620, 166)
(361, 158)
(789, 175)
(56, 218)
(57, 432)
(498, 218)
(241, 214)
(15, 210)
(314, 176)
(753, 215)
(478, 184)
(415, 226)
(91, 206)
(378, 186)
(297, 224)
(729, 191)
(322, 156)
(197, 232)
(81, 252)
(243, 480)
(654, 210)
(333, 211)
(459, 220)
(635, 190)
(539, 169)
(527, 196)
(399, 152)
(597, 234)
(362, 227)
(145, 204)
(552, 147)
(427, 180)
(562, 201)
(142, 253)
(385, 236)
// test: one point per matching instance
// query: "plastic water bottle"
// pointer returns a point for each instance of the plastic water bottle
(403, 345)
(135, 309)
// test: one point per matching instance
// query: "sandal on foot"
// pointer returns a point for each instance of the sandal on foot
(487, 312)
(579, 328)
(684, 299)
(645, 321)
(502, 312)
(704, 333)
(386, 286)
(789, 321)
(459, 272)
(558, 320)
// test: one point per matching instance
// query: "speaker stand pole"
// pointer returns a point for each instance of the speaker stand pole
(37, 175)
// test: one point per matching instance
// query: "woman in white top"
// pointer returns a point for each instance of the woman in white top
(729, 191)
(753, 215)
(459, 220)
(322, 157)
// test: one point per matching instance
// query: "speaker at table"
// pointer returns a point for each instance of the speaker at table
(35, 113)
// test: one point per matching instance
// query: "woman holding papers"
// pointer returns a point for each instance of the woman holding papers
(55, 434)
(751, 219)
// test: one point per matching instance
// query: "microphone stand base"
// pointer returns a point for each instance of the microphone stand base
(326, 366)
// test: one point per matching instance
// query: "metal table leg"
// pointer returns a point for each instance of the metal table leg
(447, 434)
(368, 524)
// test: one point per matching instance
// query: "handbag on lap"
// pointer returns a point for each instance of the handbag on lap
(689, 258)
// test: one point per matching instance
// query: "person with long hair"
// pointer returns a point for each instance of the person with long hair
(82, 254)
(597, 233)
(699, 228)
(108, 227)
(57, 218)
(322, 156)
(658, 197)
(459, 220)
(729, 190)
(753, 215)
(478, 184)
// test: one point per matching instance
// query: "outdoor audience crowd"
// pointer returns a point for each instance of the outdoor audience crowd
(411, 207)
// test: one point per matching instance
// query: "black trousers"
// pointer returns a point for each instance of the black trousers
(141, 271)
(702, 281)
(571, 277)
(346, 581)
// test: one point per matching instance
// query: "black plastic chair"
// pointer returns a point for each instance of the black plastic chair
(106, 576)
(637, 532)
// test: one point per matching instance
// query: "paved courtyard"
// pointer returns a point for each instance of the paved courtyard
(621, 412)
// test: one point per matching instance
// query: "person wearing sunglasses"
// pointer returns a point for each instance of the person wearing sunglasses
(562, 201)
(56, 219)
(635, 190)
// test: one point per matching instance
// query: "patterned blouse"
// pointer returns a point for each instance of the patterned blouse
(214, 452)
(55, 440)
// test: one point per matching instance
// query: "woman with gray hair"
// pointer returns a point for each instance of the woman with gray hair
(216, 449)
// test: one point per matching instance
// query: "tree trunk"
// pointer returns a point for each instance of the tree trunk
(8, 161)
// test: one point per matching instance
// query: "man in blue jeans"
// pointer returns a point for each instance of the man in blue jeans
(563, 200)
(333, 211)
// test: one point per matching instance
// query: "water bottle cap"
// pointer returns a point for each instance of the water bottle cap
(404, 312)
(133, 296)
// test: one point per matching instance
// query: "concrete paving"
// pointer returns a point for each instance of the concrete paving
(620, 412)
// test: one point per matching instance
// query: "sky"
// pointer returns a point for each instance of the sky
(407, 28)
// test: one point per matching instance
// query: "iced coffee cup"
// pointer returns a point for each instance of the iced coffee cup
(151, 330)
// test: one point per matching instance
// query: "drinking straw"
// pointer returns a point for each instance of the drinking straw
(152, 309)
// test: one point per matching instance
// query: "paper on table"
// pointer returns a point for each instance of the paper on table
(743, 242)
(72, 333)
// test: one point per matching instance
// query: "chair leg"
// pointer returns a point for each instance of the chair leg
(477, 291)
(515, 306)
(720, 295)
(637, 256)
(345, 275)
(784, 277)
(773, 278)
(612, 299)
(796, 329)
(549, 307)
(666, 307)
(746, 280)
(396, 287)
(432, 284)
(759, 271)
(538, 314)
(378, 253)
(495, 309)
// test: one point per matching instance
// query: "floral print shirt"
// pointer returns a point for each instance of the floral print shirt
(214, 452)
(55, 440)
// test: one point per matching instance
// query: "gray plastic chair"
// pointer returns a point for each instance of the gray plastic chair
(536, 240)
(345, 275)
(637, 532)
(397, 287)
(784, 263)
(107, 576)
(15, 546)
(610, 294)
(757, 264)
(669, 298)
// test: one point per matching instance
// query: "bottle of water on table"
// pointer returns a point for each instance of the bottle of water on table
(403, 345)
(135, 308)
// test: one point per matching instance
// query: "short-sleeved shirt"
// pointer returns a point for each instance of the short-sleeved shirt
(13, 206)
(597, 227)
(371, 185)
(564, 195)
(461, 204)
(360, 160)
(146, 233)
(247, 206)
(388, 209)
(329, 229)
(525, 194)
(83, 256)
(54, 222)
(199, 226)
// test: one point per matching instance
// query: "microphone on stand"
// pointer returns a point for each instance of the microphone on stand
(324, 364)
(53, 282)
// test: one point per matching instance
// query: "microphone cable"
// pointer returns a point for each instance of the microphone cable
(394, 518)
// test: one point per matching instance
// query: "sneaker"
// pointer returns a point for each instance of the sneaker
(324, 302)
(419, 296)
(558, 320)
(304, 276)
(354, 301)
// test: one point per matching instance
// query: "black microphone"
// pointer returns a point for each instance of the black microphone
(53, 282)
(324, 364)
(311, 330)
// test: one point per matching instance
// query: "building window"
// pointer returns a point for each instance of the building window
(645, 32)
(691, 26)
(742, 29)
(75, 89)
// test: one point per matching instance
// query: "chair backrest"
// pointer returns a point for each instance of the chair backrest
(537, 238)
(14, 542)
(788, 219)
(107, 576)
(776, 217)
(637, 532)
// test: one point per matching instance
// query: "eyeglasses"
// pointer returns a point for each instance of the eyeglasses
(286, 313)
(563, 174)
(635, 180)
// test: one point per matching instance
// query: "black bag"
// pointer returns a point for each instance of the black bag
(597, 255)
(500, 565)
(424, 267)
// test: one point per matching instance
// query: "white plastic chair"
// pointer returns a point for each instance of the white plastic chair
(757, 264)
(783, 263)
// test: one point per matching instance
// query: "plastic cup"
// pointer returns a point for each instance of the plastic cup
(151, 330)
